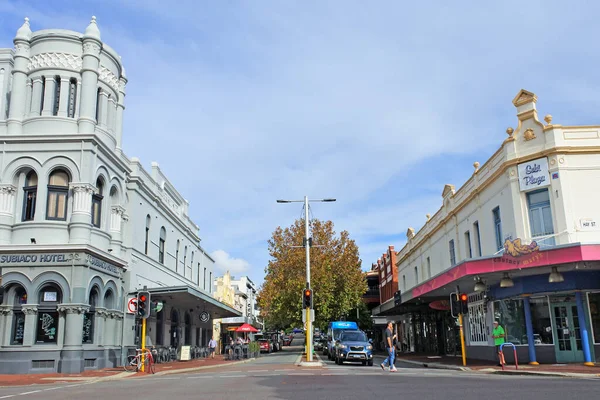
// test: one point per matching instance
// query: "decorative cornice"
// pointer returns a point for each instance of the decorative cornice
(101, 312)
(109, 78)
(82, 188)
(73, 308)
(117, 210)
(7, 188)
(29, 309)
(5, 310)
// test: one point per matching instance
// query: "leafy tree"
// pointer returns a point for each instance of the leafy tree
(336, 277)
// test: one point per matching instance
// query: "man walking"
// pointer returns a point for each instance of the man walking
(212, 345)
(498, 335)
(388, 338)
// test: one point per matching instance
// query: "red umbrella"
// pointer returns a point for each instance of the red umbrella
(246, 328)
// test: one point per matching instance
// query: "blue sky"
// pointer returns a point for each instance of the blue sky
(377, 104)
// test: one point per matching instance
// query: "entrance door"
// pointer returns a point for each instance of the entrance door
(567, 334)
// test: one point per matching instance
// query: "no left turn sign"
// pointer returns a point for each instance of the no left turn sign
(132, 305)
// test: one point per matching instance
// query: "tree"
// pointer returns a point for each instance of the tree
(336, 277)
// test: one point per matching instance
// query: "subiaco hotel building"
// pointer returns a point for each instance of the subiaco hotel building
(83, 227)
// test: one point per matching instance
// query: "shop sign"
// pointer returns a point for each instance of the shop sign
(533, 174)
(517, 253)
(33, 258)
(99, 264)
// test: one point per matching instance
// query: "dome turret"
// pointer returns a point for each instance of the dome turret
(92, 31)
(24, 32)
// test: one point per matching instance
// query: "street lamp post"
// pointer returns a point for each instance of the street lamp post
(307, 245)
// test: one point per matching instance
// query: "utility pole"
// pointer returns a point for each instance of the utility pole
(307, 245)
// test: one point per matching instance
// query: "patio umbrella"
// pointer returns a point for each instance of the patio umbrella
(246, 328)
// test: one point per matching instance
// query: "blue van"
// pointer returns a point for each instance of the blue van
(333, 333)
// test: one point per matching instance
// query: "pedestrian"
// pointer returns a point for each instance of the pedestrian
(498, 334)
(389, 345)
(212, 345)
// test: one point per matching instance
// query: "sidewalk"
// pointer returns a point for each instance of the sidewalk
(449, 362)
(115, 373)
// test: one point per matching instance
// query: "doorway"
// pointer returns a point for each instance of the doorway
(568, 345)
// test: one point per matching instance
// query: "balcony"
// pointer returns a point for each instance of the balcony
(371, 295)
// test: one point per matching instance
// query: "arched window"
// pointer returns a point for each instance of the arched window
(30, 196)
(41, 105)
(56, 95)
(47, 321)
(148, 220)
(72, 97)
(109, 300)
(58, 190)
(89, 317)
(98, 97)
(97, 203)
(177, 257)
(18, 327)
(161, 245)
(416, 275)
(184, 259)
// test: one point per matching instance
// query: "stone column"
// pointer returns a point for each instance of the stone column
(99, 326)
(5, 325)
(80, 226)
(71, 356)
(78, 99)
(529, 330)
(8, 194)
(119, 112)
(31, 315)
(28, 98)
(36, 97)
(103, 109)
(117, 214)
(19, 80)
(92, 45)
(110, 114)
(49, 96)
(63, 103)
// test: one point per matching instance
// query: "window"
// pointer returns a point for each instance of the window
(478, 238)
(540, 216)
(88, 318)
(109, 300)
(161, 245)
(56, 95)
(511, 316)
(98, 98)
(416, 275)
(594, 306)
(468, 244)
(452, 254)
(29, 196)
(498, 228)
(148, 220)
(540, 319)
(72, 97)
(97, 203)
(198, 272)
(428, 267)
(478, 332)
(47, 321)
(177, 257)
(204, 286)
(184, 259)
(43, 94)
(18, 328)
(210, 282)
(403, 282)
(58, 190)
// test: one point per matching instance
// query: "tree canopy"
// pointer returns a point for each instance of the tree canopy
(337, 280)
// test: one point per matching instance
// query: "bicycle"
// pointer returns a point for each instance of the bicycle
(134, 363)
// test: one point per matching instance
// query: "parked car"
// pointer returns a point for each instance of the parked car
(265, 345)
(297, 330)
(287, 340)
(353, 346)
(277, 340)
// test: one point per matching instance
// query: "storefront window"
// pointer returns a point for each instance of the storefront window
(595, 314)
(18, 317)
(47, 322)
(541, 321)
(511, 316)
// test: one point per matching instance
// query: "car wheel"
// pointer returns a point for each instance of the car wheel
(370, 363)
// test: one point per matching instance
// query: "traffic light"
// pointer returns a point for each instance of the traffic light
(307, 298)
(464, 303)
(143, 304)
(397, 298)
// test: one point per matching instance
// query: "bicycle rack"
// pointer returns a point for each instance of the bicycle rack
(502, 354)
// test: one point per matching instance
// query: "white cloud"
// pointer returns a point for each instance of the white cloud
(225, 262)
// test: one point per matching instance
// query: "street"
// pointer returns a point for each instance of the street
(274, 376)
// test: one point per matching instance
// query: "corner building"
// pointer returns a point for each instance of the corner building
(82, 226)
(520, 237)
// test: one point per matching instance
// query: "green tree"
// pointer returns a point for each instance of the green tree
(336, 277)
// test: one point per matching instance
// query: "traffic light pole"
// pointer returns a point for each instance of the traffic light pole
(462, 340)
(309, 332)
(143, 341)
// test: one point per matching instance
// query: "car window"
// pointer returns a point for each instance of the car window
(353, 337)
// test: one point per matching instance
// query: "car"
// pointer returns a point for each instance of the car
(334, 330)
(353, 346)
(276, 339)
(297, 330)
(265, 345)
(287, 340)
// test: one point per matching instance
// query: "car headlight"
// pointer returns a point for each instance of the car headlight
(342, 346)
(369, 347)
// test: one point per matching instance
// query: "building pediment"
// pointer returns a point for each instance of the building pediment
(448, 190)
(524, 97)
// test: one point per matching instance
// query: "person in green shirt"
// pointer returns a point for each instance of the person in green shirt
(498, 335)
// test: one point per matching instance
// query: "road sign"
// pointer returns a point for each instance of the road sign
(312, 316)
(132, 305)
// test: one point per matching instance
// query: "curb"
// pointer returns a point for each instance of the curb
(434, 365)
(548, 374)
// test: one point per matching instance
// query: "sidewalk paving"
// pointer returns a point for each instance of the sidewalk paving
(115, 373)
(450, 362)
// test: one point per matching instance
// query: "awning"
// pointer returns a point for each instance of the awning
(246, 328)
(185, 297)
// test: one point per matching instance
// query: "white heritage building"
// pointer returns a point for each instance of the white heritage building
(521, 238)
(82, 226)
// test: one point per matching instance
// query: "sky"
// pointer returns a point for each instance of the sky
(376, 104)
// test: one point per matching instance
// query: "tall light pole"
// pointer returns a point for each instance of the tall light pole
(307, 245)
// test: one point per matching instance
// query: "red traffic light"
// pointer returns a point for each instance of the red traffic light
(463, 297)
(143, 298)
(307, 292)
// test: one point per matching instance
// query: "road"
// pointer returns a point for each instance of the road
(275, 376)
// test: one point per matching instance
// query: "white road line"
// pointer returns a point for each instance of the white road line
(168, 379)
(260, 370)
(232, 376)
(33, 391)
(7, 397)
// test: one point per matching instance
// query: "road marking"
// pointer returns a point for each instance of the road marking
(260, 370)
(33, 391)
(232, 376)
(6, 397)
